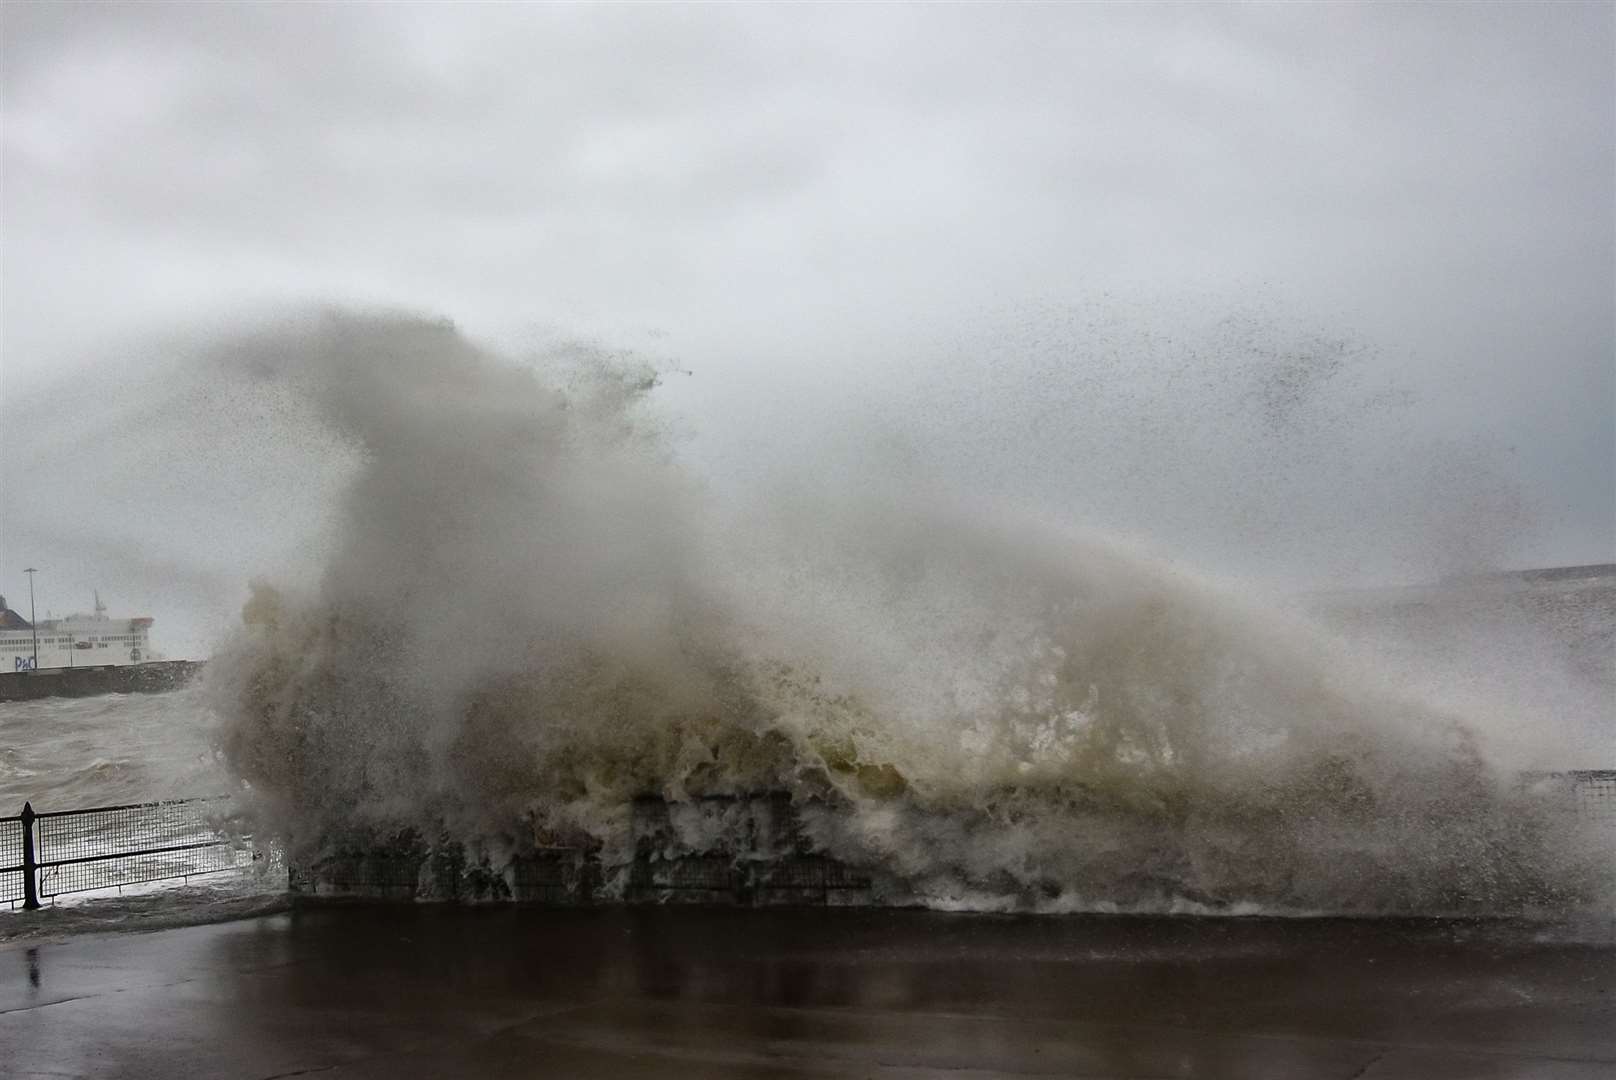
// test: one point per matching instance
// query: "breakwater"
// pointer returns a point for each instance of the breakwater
(153, 678)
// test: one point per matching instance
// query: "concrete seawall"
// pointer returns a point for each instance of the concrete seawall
(726, 851)
(763, 862)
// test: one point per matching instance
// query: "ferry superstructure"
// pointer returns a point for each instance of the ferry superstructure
(76, 641)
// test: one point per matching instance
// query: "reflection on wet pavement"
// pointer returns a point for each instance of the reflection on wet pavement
(417, 992)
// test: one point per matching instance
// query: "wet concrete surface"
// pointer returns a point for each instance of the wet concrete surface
(405, 992)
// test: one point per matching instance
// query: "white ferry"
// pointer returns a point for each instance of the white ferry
(74, 642)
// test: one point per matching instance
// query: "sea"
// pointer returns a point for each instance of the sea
(73, 753)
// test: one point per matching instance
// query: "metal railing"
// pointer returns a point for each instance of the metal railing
(1591, 793)
(66, 851)
(45, 855)
(1595, 792)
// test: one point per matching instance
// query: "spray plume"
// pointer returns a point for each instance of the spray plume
(529, 614)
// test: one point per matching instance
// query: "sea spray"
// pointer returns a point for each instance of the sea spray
(529, 616)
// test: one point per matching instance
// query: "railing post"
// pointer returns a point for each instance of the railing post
(30, 888)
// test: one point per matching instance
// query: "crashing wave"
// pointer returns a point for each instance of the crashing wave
(530, 617)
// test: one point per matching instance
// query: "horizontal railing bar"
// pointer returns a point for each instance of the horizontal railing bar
(186, 874)
(132, 854)
(127, 806)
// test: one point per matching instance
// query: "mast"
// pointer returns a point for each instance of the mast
(33, 620)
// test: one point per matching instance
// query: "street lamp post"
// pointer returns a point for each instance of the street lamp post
(33, 621)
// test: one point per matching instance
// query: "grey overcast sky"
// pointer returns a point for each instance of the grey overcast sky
(792, 199)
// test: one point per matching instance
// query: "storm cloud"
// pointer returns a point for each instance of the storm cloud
(869, 219)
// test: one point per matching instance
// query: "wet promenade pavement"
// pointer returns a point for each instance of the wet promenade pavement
(520, 992)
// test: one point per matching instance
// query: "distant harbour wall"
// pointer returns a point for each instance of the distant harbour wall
(153, 678)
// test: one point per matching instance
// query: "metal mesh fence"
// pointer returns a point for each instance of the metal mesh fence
(107, 847)
(395, 865)
(111, 847)
(361, 874)
(557, 875)
(10, 859)
(1595, 793)
(120, 870)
